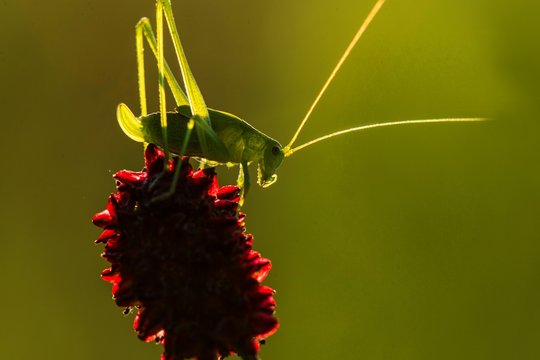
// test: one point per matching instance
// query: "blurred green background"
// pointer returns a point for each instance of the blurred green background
(418, 242)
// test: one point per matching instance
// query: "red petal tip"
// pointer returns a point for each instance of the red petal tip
(130, 177)
(103, 219)
(229, 192)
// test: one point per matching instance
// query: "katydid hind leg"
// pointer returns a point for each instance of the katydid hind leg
(161, 77)
(196, 100)
(162, 98)
(144, 29)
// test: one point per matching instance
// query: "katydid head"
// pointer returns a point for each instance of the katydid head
(272, 158)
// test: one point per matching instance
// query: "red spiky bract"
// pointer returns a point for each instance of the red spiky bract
(185, 262)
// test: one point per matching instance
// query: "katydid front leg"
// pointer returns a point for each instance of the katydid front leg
(243, 182)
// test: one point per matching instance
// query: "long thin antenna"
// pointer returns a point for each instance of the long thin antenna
(289, 152)
(355, 39)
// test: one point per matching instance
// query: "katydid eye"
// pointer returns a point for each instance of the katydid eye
(276, 150)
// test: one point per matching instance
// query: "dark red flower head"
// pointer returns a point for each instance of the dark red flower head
(185, 262)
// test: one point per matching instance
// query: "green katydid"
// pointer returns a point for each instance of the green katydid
(222, 138)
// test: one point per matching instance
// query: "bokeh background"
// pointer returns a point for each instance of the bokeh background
(418, 242)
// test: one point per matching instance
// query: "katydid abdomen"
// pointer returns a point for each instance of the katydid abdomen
(242, 142)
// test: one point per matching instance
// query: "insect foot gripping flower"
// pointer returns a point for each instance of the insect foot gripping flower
(185, 262)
